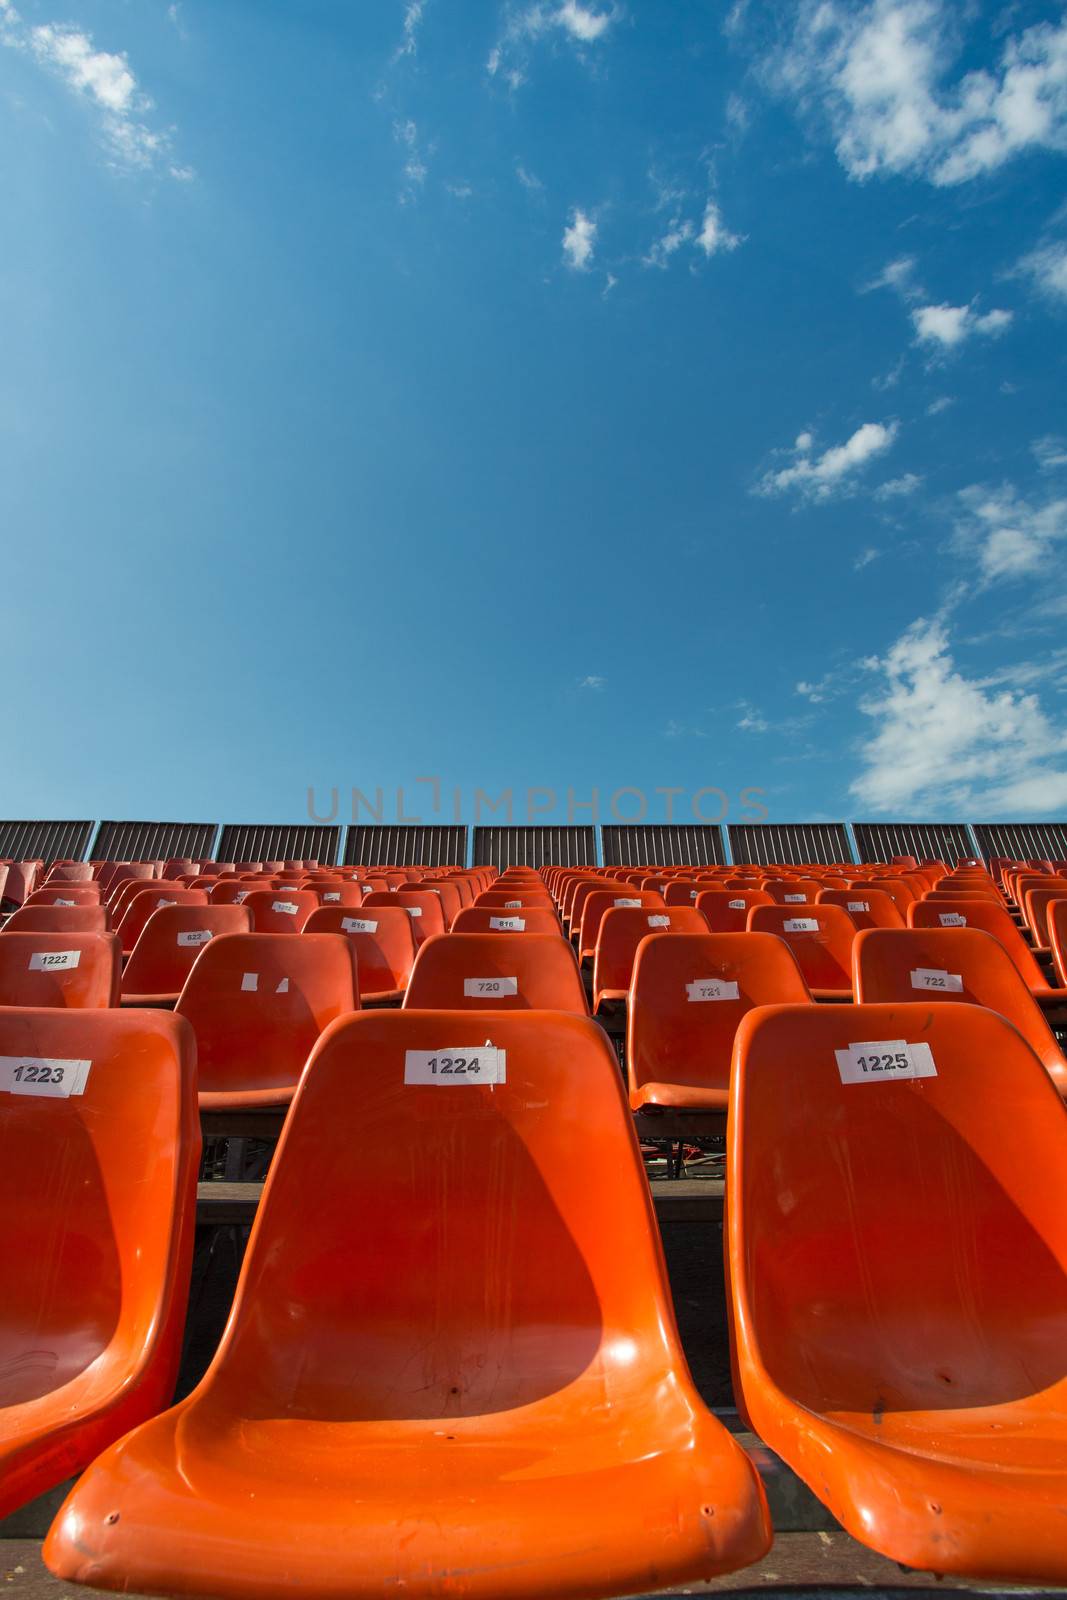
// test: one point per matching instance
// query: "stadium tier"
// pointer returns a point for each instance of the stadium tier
(439, 1118)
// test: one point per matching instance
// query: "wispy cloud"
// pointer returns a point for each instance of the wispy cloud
(1010, 536)
(709, 235)
(864, 559)
(105, 82)
(678, 232)
(579, 240)
(406, 134)
(1050, 452)
(409, 43)
(898, 275)
(897, 488)
(1047, 268)
(752, 719)
(942, 403)
(529, 180)
(569, 20)
(948, 326)
(876, 73)
(817, 477)
(714, 236)
(593, 681)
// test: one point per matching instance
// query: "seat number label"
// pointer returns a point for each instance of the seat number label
(461, 1064)
(659, 922)
(490, 986)
(627, 902)
(793, 899)
(54, 960)
(712, 989)
(951, 919)
(285, 905)
(859, 905)
(194, 936)
(880, 1059)
(358, 925)
(42, 1075)
(801, 925)
(507, 924)
(934, 978)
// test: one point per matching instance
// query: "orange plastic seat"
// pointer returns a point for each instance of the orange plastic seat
(600, 901)
(149, 899)
(497, 919)
(866, 908)
(1035, 909)
(514, 899)
(169, 946)
(621, 930)
(66, 894)
(59, 919)
(1057, 932)
(424, 908)
(383, 942)
(953, 964)
(726, 910)
(502, 971)
(791, 891)
(683, 891)
(820, 936)
(997, 920)
(281, 910)
(79, 970)
(491, 1402)
(340, 893)
(98, 1198)
(896, 1256)
(70, 872)
(688, 995)
(900, 893)
(257, 1003)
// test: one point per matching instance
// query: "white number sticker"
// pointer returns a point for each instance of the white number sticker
(413, 911)
(359, 925)
(951, 919)
(801, 925)
(241, 895)
(458, 1064)
(712, 989)
(54, 960)
(736, 905)
(64, 902)
(859, 905)
(659, 922)
(490, 986)
(512, 905)
(194, 936)
(507, 924)
(161, 903)
(627, 902)
(250, 982)
(934, 978)
(42, 1075)
(794, 899)
(285, 905)
(884, 1058)
(331, 894)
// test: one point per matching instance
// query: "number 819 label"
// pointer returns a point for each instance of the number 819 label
(456, 1065)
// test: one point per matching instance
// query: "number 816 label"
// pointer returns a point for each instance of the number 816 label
(456, 1065)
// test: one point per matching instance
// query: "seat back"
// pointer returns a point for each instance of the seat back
(59, 919)
(98, 1195)
(340, 893)
(70, 872)
(791, 891)
(258, 1002)
(497, 971)
(170, 945)
(1035, 908)
(78, 970)
(866, 908)
(281, 910)
(599, 901)
(425, 909)
(907, 1256)
(146, 902)
(381, 938)
(819, 936)
(514, 899)
(688, 995)
(726, 910)
(498, 919)
(621, 930)
(66, 894)
(993, 919)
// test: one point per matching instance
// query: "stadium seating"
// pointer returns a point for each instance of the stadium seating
(821, 939)
(726, 910)
(791, 891)
(65, 894)
(953, 964)
(382, 940)
(688, 995)
(497, 919)
(502, 971)
(622, 929)
(59, 919)
(257, 1003)
(866, 908)
(145, 903)
(492, 1401)
(424, 909)
(59, 969)
(97, 1196)
(899, 1295)
(280, 910)
(170, 945)
(994, 919)
(599, 901)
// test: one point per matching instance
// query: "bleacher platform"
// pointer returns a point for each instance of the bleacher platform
(375, 1223)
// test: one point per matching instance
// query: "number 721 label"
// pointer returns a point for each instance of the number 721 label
(884, 1058)
(459, 1064)
(42, 1075)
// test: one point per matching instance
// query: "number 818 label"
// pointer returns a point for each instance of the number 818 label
(456, 1065)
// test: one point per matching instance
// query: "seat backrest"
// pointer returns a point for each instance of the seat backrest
(421, 905)
(171, 942)
(683, 891)
(621, 930)
(726, 910)
(70, 872)
(600, 901)
(99, 1150)
(381, 938)
(688, 995)
(791, 891)
(867, 908)
(1035, 909)
(146, 902)
(59, 919)
(1057, 934)
(258, 1002)
(952, 964)
(514, 899)
(66, 894)
(501, 971)
(281, 910)
(900, 893)
(904, 1243)
(514, 1254)
(451, 901)
(819, 936)
(497, 919)
(59, 969)
(983, 914)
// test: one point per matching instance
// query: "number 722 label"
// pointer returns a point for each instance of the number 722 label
(42, 1075)
(457, 1064)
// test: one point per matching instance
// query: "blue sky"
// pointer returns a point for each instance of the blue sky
(552, 395)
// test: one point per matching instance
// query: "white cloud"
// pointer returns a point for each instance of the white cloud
(942, 403)
(898, 275)
(1048, 268)
(943, 740)
(678, 233)
(949, 326)
(102, 78)
(581, 22)
(752, 719)
(582, 25)
(1010, 537)
(864, 559)
(527, 179)
(406, 134)
(409, 44)
(579, 240)
(461, 189)
(714, 235)
(1050, 452)
(593, 681)
(895, 488)
(877, 72)
(821, 476)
